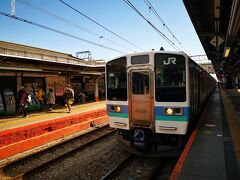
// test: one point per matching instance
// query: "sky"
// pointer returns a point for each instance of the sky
(115, 15)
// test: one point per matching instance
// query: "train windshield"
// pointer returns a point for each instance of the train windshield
(170, 78)
(117, 79)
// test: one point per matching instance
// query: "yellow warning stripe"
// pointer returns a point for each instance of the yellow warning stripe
(55, 114)
(233, 121)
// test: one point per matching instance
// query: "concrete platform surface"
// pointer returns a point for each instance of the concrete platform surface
(212, 151)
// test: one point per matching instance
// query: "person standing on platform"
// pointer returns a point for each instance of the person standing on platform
(23, 100)
(40, 97)
(50, 99)
(69, 96)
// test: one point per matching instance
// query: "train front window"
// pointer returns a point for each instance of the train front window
(117, 80)
(140, 82)
(170, 78)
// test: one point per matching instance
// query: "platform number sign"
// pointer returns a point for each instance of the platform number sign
(171, 60)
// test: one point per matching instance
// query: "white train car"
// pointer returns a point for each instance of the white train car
(153, 98)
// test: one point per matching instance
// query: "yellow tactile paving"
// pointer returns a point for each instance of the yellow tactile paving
(17, 121)
(233, 121)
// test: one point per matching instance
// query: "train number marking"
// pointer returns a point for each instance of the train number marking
(169, 61)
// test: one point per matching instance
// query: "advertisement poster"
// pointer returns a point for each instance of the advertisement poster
(57, 83)
(59, 88)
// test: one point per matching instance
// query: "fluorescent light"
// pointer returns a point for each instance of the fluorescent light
(90, 73)
(226, 53)
(18, 68)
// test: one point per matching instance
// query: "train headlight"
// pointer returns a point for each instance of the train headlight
(178, 111)
(173, 111)
(112, 108)
(116, 108)
(169, 111)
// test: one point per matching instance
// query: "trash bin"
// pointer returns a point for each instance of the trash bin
(82, 97)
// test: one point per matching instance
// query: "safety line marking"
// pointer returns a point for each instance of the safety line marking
(233, 121)
(52, 115)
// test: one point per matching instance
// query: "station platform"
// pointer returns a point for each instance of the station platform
(213, 149)
(19, 135)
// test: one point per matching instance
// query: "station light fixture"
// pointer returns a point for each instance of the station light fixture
(226, 52)
(19, 69)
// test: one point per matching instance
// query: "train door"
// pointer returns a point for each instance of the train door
(141, 101)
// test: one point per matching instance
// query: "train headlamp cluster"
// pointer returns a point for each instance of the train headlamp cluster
(116, 108)
(173, 111)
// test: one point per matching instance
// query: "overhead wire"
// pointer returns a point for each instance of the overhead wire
(68, 22)
(150, 6)
(154, 27)
(99, 24)
(58, 31)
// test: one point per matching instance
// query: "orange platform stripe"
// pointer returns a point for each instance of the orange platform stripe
(21, 146)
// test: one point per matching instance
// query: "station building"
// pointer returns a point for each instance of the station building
(27, 66)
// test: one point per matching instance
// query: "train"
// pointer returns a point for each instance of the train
(153, 99)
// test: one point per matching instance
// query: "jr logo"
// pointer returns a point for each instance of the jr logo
(169, 61)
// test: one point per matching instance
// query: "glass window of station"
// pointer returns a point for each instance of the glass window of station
(170, 78)
(117, 79)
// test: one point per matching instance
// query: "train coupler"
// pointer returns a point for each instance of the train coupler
(139, 139)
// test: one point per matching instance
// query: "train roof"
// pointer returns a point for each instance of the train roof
(197, 66)
(150, 52)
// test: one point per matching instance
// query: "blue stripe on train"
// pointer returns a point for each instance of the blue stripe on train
(160, 116)
(123, 114)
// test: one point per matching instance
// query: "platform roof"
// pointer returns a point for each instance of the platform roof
(217, 23)
(17, 57)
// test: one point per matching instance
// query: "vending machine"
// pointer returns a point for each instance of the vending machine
(10, 103)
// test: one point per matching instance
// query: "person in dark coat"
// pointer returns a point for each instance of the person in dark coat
(23, 100)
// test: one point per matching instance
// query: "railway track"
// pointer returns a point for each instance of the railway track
(135, 167)
(115, 171)
(43, 159)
